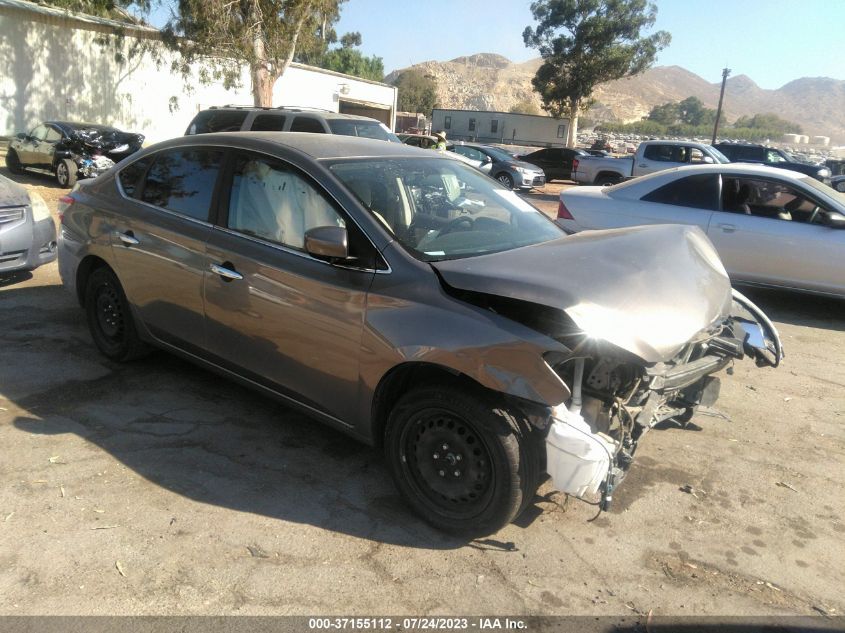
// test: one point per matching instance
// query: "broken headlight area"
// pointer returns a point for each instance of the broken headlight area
(108, 143)
(616, 398)
(90, 167)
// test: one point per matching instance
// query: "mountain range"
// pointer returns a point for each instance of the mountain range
(487, 81)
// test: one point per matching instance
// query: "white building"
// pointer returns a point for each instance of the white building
(55, 65)
(500, 127)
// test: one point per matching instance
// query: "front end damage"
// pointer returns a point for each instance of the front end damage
(95, 150)
(616, 399)
(641, 317)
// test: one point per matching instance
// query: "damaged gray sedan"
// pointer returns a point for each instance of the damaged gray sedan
(413, 303)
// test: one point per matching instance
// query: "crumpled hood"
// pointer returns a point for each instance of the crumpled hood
(646, 289)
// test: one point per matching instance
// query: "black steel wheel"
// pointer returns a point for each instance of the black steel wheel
(13, 162)
(110, 318)
(464, 465)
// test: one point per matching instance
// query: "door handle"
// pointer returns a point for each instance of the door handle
(128, 238)
(643, 164)
(227, 273)
(727, 228)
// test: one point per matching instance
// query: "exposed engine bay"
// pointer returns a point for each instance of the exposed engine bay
(97, 149)
(616, 400)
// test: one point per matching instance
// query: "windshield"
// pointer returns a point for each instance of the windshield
(830, 192)
(364, 129)
(720, 157)
(442, 209)
(499, 154)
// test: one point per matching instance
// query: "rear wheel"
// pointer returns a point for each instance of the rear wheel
(608, 180)
(110, 318)
(464, 464)
(66, 172)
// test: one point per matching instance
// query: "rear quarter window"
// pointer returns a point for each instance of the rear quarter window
(131, 175)
(268, 123)
(212, 121)
(699, 192)
(307, 124)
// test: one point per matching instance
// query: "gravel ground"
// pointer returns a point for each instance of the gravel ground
(159, 488)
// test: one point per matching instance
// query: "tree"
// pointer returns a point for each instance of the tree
(223, 35)
(525, 106)
(771, 122)
(587, 42)
(666, 114)
(349, 60)
(690, 111)
(417, 92)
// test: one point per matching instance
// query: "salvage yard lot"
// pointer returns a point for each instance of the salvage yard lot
(159, 488)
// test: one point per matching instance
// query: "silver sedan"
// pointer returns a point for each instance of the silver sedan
(771, 227)
(27, 232)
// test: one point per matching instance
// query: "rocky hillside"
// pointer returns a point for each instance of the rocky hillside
(488, 81)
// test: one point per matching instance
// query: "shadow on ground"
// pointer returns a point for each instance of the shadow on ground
(195, 433)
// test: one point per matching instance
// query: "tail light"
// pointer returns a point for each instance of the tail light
(562, 212)
(574, 164)
(65, 202)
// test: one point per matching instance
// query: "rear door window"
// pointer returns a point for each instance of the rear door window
(699, 192)
(307, 124)
(183, 181)
(268, 123)
(217, 121)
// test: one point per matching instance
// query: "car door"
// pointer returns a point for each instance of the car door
(160, 240)
(28, 152)
(46, 148)
(275, 314)
(687, 200)
(660, 157)
(774, 243)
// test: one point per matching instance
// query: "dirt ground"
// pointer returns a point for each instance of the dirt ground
(159, 488)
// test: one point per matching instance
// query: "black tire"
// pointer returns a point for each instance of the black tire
(464, 463)
(505, 179)
(13, 162)
(608, 180)
(65, 172)
(110, 318)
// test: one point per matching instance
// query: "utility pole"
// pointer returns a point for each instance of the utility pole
(725, 73)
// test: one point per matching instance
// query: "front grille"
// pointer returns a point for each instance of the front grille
(539, 180)
(5, 258)
(7, 216)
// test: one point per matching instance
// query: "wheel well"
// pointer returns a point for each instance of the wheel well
(87, 266)
(403, 377)
(610, 175)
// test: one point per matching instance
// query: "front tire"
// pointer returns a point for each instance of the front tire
(65, 172)
(13, 162)
(505, 179)
(464, 464)
(110, 318)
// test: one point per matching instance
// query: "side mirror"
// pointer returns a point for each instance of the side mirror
(833, 219)
(487, 159)
(327, 242)
(708, 159)
(21, 136)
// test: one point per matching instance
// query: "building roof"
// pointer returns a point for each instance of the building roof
(81, 20)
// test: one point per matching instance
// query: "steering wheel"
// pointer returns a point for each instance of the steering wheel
(813, 215)
(455, 223)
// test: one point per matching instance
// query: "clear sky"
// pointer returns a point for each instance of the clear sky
(771, 41)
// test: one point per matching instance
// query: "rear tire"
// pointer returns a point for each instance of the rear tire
(110, 318)
(608, 180)
(13, 162)
(465, 463)
(65, 172)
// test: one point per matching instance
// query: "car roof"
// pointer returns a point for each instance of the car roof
(326, 114)
(80, 126)
(318, 146)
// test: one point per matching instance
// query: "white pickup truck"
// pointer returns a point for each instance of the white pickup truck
(651, 156)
